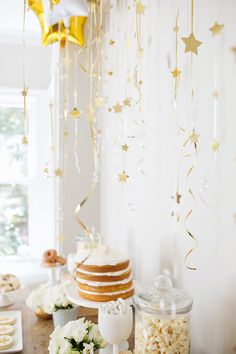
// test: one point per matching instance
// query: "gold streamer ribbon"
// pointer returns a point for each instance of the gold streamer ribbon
(94, 7)
(194, 140)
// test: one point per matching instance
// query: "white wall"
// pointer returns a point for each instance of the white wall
(154, 241)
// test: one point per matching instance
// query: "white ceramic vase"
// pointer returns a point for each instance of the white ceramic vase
(62, 317)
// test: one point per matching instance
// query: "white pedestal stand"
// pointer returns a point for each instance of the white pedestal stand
(54, 274)
(73, 295)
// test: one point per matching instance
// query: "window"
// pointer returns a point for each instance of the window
(26, 195)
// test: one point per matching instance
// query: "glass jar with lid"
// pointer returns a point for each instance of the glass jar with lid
(83, 241)
(162, 320)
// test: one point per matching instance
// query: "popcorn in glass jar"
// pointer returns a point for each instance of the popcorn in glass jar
(162, 324)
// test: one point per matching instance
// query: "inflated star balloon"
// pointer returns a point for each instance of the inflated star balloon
(191, 44)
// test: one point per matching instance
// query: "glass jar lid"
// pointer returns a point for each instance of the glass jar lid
(163, 299)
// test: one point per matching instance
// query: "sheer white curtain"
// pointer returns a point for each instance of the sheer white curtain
(136, 216)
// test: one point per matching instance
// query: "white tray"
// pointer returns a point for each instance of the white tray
(17, 335)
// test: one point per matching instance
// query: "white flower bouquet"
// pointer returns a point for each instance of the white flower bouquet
(35, 300)
(55, 299)
(79, 336)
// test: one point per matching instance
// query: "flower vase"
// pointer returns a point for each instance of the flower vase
(62, 317)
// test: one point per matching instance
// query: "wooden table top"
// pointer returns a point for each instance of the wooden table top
(36, 332)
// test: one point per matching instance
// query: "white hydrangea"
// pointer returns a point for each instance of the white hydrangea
(35, 299)
(55, 298)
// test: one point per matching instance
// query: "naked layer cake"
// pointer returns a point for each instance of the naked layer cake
(104, 276)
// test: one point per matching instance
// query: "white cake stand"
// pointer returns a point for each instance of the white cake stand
(75, 298)
(6, 299)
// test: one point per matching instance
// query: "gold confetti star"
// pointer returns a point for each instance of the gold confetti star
(125, 147)
(110, 73)
(75, 113)
(216, 28)
(123, 177)
(24, 92)
(140, 8)
(215, 94)
(117, 108)
(194, 137)
(61, 238)
(24, 140)
(175, 73)
(215, 145)
(191, 44)
(111, 42)
(126, 101)
(99, 101)
(58, 172)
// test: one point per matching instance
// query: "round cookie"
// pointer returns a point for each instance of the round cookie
(7, 320)
(6, 330)
(6, 342)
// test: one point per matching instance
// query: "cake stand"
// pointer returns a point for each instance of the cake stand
(54, 273)
(6, 299)
(75, 298)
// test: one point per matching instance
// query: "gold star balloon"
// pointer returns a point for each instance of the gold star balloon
(191, 44)
(216, 28)
(123, 177)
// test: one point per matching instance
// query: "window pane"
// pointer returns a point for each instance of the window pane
(13, 219)
(13, 155)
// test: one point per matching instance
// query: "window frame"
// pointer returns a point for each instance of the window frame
(41, 195)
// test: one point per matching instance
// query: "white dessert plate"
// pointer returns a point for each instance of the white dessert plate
(17, 335)
(76, 299)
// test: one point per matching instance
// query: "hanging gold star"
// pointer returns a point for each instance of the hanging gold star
(216, 28)
(175, 73)
(24, 140)
(123, 177)
(75, 113)
(110, 73)
(191, 44)
(140, 8)
(178, 197)
(215, 145)
(125, 147)
(24, 92)
(112, 42)
(61, 239)
(215, 94)
(99, 101)
(58, 172)
(117, 108)
(46, 171)
(126, 101)
(194, 137)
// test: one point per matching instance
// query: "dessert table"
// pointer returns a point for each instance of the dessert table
(36, 331)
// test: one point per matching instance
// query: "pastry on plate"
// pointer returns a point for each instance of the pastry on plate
(52, 259)
(9, 282)
(7, 320)
(6, 330)
(6, 342)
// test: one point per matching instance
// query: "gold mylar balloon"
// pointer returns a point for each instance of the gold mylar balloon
(58, 32)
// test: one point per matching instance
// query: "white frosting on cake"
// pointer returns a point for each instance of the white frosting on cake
(120, 272)
(100, 256)
(99, 283)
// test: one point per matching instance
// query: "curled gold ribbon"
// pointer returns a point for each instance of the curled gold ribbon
(195, 246)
